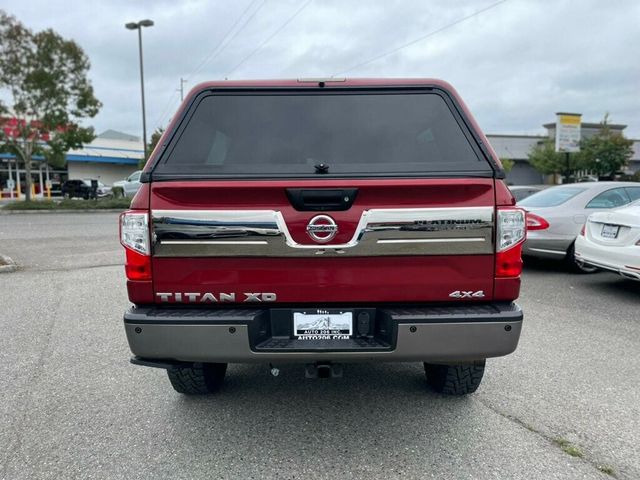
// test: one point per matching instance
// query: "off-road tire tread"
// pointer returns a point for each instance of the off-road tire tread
(459, 379)
(199, 379)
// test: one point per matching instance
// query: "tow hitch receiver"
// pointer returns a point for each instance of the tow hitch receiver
(323, 370)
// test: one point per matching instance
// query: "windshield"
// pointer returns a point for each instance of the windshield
(301, 134)
(551, 197)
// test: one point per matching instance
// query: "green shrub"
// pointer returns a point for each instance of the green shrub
(106, 203)
(117, 192)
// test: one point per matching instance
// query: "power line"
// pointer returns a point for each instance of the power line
(214, 53)
(419, 39)
(278, 30)
(165, 110)
(219, 48)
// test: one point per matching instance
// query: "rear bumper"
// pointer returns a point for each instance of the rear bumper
(621, 260)
(428, 333)
(546, 247)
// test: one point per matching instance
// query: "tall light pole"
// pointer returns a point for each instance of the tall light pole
(138, 26)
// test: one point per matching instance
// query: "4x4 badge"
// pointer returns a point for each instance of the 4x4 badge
(322, 228)
(467, 294)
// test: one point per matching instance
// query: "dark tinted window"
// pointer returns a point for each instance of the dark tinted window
(615, 197)
(257, 135)
(552, 197)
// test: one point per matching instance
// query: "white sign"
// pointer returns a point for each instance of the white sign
(568, 132)
(11, 184)
(323, 326)
(48, 184)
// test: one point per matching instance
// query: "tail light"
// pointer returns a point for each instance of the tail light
(510, 234)
(583, 230)
(134, 237)
(536, 222)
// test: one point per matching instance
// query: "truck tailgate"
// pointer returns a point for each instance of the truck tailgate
(395, 240)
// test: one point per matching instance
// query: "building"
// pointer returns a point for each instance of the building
(517, 148)
(110, 157)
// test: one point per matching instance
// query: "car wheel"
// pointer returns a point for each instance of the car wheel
(577, 265)
(198, 379)
(460, 379)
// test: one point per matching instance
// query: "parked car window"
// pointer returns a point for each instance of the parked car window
(134, 177)
(615, 197)
(551, 197)
(633, 192)
(522, 193)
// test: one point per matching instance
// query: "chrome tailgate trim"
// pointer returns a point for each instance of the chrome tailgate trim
(380, 232)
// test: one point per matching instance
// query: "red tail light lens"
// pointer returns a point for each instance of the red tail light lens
(137, 266)
(510, 233)
(536, 222)
(509, 262)
(134, 237)
(583, 230)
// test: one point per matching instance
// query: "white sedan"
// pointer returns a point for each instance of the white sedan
(611, 240)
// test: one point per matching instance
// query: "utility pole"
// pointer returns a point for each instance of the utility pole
(138, 26)
(182, 82)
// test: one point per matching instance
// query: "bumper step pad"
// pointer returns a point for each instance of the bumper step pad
(292, 345)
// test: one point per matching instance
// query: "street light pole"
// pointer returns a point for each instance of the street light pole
(138, 26)
(182, 82)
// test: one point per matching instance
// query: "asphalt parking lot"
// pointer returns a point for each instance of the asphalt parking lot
(71, 406)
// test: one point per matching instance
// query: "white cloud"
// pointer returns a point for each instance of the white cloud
(515, 65)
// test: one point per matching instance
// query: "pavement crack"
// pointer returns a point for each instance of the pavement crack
(555, 441)
(33, 269)
(25, 400)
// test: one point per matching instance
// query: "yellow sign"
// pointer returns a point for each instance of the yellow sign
(569, 119)
(568, 132)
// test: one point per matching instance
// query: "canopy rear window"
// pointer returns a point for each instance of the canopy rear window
(255, 135)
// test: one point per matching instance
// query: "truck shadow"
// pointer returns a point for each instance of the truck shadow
(379, 410)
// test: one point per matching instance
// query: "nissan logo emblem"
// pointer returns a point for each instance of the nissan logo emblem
(322, 228)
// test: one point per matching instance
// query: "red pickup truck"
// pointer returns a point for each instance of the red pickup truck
(322, 222)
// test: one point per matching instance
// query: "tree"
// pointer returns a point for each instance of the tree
(544, 158)
(155, 138)
(45, 77)
(507, 164)
(606, 152)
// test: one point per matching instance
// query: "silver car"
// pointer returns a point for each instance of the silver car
(520, 192)
(130, 185)
(557, 214)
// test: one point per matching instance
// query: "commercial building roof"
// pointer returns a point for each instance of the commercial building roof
(110, 146)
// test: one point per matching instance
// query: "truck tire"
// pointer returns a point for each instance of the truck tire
(198, 379)
(460, 379)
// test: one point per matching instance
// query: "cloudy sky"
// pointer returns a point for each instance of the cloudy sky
(515, 63)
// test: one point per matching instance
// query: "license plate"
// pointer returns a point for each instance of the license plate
(322, 326)
(610, 231)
